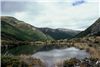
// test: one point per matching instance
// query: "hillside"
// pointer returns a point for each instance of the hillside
(13, 29)
(94, 29)
(59, 33)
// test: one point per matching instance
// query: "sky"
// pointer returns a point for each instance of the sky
(69, 14)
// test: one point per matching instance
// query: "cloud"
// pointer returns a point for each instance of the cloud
(54, 13)
(12, 7)
(78, 2)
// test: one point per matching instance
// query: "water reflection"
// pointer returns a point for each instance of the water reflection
(50, 58)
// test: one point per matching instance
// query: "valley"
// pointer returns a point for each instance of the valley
(22, 44)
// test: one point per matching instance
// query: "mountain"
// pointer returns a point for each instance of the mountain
(59, 33)
(94, 29)
(14, 29)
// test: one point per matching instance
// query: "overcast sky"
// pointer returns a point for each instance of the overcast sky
(70, 14)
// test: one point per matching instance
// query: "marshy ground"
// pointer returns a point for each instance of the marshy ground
(11, 50)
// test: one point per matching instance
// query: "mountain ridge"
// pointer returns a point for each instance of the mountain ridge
(31, 33)
(59, 33)
(93, 29)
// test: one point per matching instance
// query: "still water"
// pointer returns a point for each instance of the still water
(57, 56)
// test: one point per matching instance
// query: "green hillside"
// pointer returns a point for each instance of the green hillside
(13, 29)
(60, 33)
